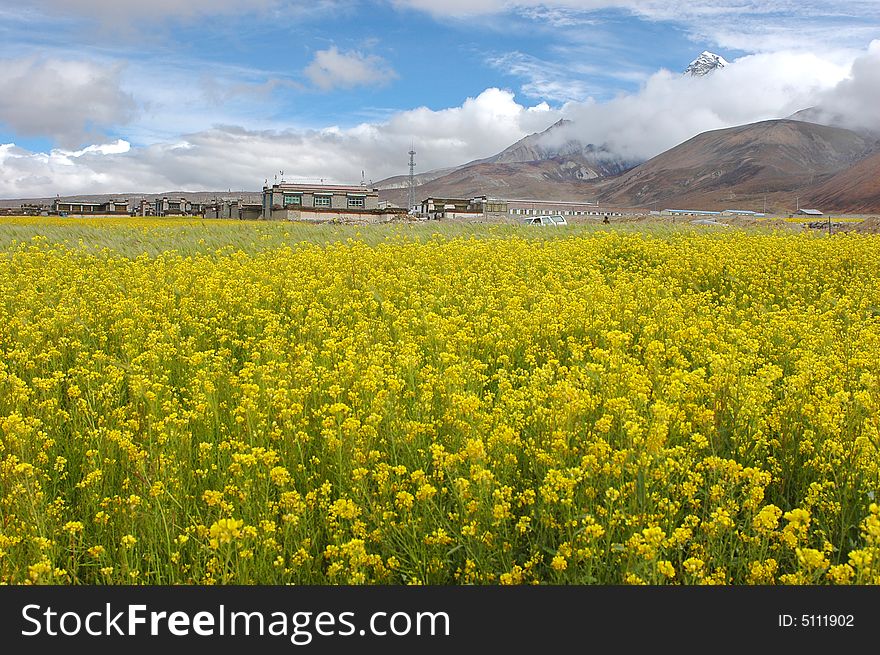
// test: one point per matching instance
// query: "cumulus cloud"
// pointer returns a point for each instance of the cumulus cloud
(334, 69)
(666, 110)
(854, 102)
(69, 101)
(670, 108)
(234, 157)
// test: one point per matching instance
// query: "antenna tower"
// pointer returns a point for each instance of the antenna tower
(412, 178)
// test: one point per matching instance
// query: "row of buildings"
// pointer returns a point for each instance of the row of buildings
(283, 201)
(165, 206)
(238, 208)
(292, 201)
(511, 210)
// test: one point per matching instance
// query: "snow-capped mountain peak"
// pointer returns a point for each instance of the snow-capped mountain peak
(706, 63)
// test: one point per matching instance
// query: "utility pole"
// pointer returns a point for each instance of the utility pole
(412, 179)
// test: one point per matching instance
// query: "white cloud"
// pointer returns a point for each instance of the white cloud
(548, 80)
(668, 109)
(331, 69)
(854, 102)
(117, 147)
(125, 10)
(67, 100)
(747, 25)
(232, 157)
(562, 79)
(671, 108)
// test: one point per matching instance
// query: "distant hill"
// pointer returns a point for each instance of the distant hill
(738, 164)
(770, 165)
(855, 190)
(552, 164)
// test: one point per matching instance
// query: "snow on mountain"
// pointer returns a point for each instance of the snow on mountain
(560, 143)
(706, 63)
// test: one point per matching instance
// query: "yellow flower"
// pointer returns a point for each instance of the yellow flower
(666, 568)
(224, 531)
(280, 476)
(694, 566)
(841, 574)
(73, 527)
(404, 500)
(426, 491)
(212, 497)
(811, 558)
(767, 520)
(345, 509)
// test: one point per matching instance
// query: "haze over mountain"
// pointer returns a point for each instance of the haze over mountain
(769, 164)
(758, 165)
(546, 164)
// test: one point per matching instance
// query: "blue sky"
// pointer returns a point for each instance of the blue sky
(115, 95)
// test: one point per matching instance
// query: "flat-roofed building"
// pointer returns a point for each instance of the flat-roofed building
(83, 207)
(323, 203)
(507, 210)
(436, 209)
(172, 207)
(520, 208)
(689, 212)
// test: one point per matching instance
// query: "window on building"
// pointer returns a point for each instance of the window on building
(322, 201)
(292, 199)
(356, 203)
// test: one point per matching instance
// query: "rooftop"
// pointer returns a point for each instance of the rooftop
(298, 186)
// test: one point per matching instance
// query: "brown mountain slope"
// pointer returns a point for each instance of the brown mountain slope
(552, 164)
(855, 190)
(738, 165)
(550, 179)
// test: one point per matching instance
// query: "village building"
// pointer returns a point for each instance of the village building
(85, 208)
(523, 208)
(172, 207)
(484, 208)
(235, 208)
(436, 209)
(324, 203)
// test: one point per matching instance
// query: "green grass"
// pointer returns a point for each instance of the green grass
(133, 237)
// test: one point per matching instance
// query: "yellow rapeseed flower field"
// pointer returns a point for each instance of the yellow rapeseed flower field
(495, 407)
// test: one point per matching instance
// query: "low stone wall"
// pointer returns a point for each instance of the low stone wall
(335, 216)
